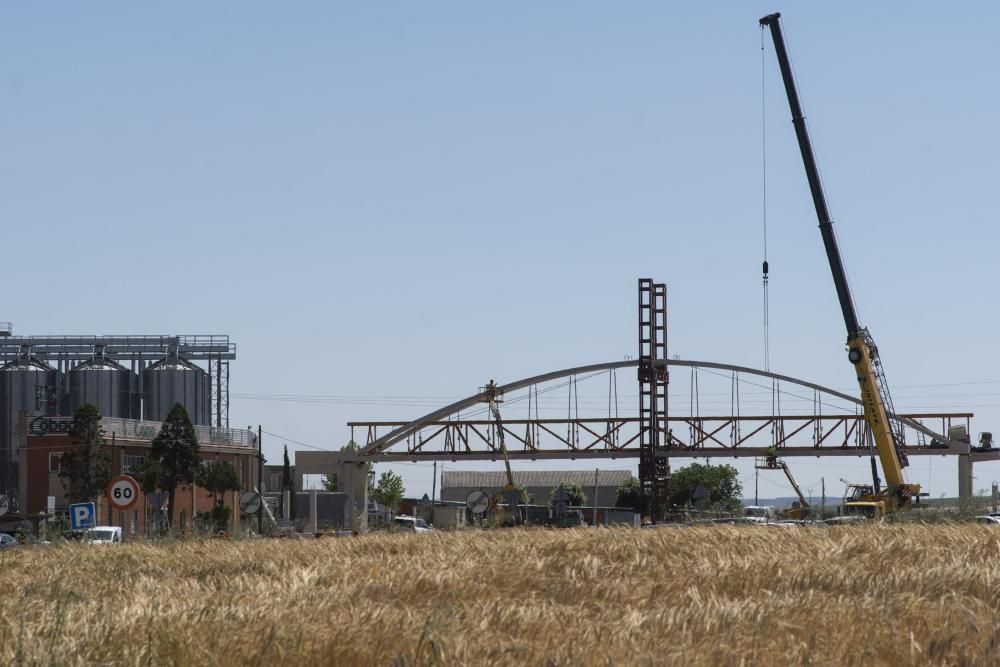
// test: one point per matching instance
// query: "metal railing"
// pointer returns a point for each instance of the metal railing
(134, 429)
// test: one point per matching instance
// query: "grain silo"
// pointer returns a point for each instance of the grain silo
(173, 380)
(30, 385)
(105, 384)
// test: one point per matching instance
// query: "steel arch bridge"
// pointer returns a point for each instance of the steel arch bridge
(444, 435)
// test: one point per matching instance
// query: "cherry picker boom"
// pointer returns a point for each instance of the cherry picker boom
(862, 351)
(772, 462)
(512, 515)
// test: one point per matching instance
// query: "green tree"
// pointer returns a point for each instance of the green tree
(627, 495)
(149, 475)
(85, 469)
(288, 484)
(523, 490)
(219, 477)
(389, 490)
(721, 481)
(175, 450)
(577, 498)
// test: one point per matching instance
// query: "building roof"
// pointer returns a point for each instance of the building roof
(474, 479)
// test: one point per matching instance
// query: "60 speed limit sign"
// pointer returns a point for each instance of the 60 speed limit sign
(123, 492)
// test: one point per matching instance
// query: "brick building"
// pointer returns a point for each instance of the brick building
(130, 440)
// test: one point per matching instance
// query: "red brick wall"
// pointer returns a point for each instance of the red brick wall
(188, 499)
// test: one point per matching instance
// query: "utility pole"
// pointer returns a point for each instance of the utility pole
(260, 479)
(434, 483)
(596, 471)
(111, 520)
(756, 484)
(822, 504)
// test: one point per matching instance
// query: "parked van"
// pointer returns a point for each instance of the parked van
(103, 535)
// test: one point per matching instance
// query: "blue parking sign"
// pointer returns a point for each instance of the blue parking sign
(81, 516)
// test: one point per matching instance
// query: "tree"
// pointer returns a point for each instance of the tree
(175, 449)
(85, 469)
(389, 490)
(523, 490)
(149, 475)
(574, 492)
(627, 495)
(218, 477)
(288, 484)
(721, 481)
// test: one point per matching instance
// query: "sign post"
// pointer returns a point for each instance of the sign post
(477, 502)
(250, 502)
(123, 492)
(82, 516)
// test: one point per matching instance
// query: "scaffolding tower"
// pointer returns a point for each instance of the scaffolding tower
(654, 473)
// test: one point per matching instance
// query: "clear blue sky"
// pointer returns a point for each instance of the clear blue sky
(407, 199)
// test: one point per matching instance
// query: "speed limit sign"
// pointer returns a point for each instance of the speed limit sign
(123, 492)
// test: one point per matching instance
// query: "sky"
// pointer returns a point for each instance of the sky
(387, 204)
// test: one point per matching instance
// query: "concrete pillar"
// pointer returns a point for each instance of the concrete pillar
(964, 476)
(313, 520)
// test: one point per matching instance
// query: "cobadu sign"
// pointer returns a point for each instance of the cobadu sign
(44, 425)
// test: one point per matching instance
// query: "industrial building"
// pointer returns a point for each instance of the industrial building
(42, 441)
(125, 377)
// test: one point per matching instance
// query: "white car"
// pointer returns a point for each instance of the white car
(988, 518)
(103, 535)
(411, 524)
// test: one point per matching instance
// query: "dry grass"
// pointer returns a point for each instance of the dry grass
(878, 595)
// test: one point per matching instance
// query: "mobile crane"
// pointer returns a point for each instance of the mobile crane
(772, 462)
(861, 349)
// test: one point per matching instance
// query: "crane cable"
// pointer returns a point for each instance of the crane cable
(775, 387)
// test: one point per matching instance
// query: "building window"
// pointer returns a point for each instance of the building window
(55, 461)
(275, 484)
(132, 463)
(182, 520)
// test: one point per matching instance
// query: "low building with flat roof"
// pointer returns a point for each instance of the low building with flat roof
(456, 485)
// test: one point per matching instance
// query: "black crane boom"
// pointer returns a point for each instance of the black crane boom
(812, 174)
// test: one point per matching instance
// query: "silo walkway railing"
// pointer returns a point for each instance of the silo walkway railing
(145, 431)
(133, 429)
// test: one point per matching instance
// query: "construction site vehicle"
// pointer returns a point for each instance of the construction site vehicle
(800, 509)
(512, 515)
(861, 349)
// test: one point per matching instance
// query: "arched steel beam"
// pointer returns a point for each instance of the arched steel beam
(391, 438)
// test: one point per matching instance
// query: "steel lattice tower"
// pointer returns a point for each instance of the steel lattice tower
(654, 473)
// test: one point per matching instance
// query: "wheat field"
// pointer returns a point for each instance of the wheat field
(718, 595)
